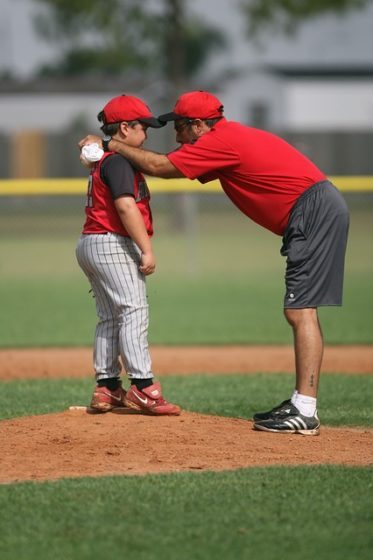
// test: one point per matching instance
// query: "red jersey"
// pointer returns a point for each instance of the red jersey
(112, 177)
(261, 173)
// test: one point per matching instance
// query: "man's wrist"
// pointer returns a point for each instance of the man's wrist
(105, 143)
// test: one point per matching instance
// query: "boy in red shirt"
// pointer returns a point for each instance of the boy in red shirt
(115, 253)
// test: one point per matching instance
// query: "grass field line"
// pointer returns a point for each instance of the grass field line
(33, 363)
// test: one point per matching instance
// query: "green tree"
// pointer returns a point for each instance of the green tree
(111, 37)
(286, 15)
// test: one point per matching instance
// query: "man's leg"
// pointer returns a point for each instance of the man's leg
(314, 245)
(308, 348)
(299, 414)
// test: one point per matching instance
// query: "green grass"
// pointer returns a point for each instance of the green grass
(62, 313)
(220, 283)
(303, 512)
(343, 399)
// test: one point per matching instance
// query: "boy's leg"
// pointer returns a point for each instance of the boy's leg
(91, 256)
(108, 393)
(132, 310)
(106, 345)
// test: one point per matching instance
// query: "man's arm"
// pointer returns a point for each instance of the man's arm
(151, 163)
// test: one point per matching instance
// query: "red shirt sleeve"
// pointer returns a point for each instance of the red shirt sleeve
(204, 158)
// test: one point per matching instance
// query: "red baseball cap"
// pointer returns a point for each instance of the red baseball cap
(129, 108)
(195, 105)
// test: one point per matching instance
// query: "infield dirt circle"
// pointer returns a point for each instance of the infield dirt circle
(74, 443)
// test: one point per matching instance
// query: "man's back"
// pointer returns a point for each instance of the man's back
(261, 173)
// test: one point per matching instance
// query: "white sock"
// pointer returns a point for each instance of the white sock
(305, 404)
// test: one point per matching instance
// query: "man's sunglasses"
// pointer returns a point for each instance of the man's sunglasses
(181, 124)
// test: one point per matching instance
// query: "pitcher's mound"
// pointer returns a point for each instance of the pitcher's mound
(75, 444)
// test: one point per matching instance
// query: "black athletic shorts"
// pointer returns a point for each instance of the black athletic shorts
(314, 245)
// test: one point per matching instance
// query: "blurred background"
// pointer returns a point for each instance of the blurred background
(302, 69)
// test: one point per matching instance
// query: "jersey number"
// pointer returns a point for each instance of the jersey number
(143, 191)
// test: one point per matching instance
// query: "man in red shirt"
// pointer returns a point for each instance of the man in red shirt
(282, 190)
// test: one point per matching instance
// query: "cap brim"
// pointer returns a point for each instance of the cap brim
(152, 122)
(169, 117)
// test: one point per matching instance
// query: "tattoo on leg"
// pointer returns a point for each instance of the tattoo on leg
(311, 381)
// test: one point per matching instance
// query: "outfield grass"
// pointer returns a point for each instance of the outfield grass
(222, 283)
(343, 399)
(62, 313)
(303, 512)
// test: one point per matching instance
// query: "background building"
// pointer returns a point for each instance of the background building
(315, 88)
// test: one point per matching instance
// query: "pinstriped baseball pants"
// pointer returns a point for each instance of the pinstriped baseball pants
(111, 264)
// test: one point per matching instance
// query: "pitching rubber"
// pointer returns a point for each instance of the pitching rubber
(86, 409)
(78, 407)
(116, 410)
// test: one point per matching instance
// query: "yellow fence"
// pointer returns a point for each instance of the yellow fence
(35, 187)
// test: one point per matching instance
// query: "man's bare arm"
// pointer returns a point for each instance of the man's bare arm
(151, 163)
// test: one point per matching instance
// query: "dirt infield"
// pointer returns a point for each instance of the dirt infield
(75, 444)
(168, 360)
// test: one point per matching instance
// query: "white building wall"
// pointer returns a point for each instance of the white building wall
(329, 105)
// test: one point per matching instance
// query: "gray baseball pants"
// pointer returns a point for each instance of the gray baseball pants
(111, 264)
